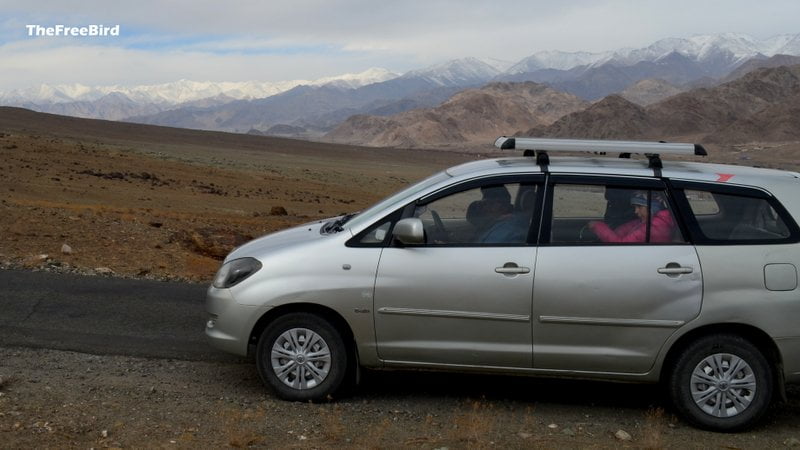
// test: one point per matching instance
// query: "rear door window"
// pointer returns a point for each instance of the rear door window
(611, 214)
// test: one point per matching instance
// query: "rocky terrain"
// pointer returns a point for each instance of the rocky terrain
(762, 63)
(122, 199)
(474, 115)
(649, 91)
(136, 200)
(610, 118)
(58, 399)
(759, 107)
(653, 90)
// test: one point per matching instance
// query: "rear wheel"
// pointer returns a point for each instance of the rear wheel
(722, 383)
(302, 357)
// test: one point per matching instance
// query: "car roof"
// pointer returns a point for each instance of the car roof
(685, 170)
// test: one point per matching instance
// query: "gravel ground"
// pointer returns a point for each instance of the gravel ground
(55, 399)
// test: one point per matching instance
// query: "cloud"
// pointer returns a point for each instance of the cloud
(30, 63)
(253, 39)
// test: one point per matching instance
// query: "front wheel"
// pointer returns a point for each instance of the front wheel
(722, 383)
(302, 357)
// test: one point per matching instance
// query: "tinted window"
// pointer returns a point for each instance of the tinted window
(596, 213)
(493, 214)
(376, 234)
(736, 217)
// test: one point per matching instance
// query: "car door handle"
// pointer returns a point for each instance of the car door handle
(674, 269)
(511, 269)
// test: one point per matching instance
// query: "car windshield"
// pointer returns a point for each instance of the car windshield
(411, 191)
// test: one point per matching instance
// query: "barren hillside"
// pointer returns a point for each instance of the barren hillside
(471, 116)
(610, 118)
(159, 202)
(759, 107)
(649, 91)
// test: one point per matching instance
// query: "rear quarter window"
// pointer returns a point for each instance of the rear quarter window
(743, 216)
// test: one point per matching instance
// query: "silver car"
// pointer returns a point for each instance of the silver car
(620, 269)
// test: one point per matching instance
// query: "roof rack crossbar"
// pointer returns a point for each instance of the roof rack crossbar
(599, 146)
(542, 159)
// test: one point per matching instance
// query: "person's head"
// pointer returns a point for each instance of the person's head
(496, 201)
(640, 206)
(496, 206)
(498, 193)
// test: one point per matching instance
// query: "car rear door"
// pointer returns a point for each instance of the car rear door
(609, 306)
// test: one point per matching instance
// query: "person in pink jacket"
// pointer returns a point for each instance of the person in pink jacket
(661, 225)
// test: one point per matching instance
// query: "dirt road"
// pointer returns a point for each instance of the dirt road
(185, 394)
(58, 399)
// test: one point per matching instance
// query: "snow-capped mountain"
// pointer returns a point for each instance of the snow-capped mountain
(678, 61)
(556, 60)
(183, 91)
(355, 80)
(500, 64)
(726, 51)
(700, 48)
(457, 72)
(786, 44)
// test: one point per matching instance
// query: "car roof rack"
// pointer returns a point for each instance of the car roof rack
(539, 147)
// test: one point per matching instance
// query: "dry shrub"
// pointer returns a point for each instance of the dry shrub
(429, 434)
(238, 426)
(201, 266)
(333, 428)
(475, 426)
(527, 425)
(654, 424)
(373, 436)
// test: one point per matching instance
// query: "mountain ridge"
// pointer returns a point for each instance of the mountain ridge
(761, 105)
(471, 115)
(321, 105)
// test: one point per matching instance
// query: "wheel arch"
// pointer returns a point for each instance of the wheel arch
(329, 314)
(753, 334)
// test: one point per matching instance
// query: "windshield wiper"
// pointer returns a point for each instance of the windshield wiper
(335, 226)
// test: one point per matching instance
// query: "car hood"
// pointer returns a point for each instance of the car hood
(299, 234)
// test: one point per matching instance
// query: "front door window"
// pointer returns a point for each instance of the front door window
(485, 215)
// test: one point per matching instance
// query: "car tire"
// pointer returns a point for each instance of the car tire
(302, 357)
(722, 383)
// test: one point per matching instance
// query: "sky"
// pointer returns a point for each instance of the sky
(269, 40)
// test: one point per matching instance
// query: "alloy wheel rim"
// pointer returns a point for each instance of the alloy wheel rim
(723, 385)
(301, 358)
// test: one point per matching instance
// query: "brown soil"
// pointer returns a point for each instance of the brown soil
(55, 399)
(157, 202)
(162, 202)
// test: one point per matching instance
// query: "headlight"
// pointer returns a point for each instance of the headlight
(236, 271)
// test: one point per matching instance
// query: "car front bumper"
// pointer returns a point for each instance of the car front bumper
(229, 323)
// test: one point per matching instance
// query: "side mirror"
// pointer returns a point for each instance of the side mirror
(409, 231)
